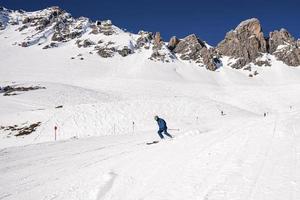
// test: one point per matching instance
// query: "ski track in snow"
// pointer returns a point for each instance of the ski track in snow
(234, 165)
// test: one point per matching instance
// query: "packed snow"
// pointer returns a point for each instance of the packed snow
(103, 110)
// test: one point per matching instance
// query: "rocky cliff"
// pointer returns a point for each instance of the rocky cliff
(246, 43)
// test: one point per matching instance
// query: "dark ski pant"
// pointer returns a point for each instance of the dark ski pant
(165, 132)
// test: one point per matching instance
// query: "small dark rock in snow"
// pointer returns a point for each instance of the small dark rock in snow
(125, 51)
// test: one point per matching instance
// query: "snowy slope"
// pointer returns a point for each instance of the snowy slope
(101, 154)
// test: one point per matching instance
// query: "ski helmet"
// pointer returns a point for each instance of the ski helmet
(155, 117)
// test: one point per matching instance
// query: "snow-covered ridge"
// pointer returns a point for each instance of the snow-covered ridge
(54, 27)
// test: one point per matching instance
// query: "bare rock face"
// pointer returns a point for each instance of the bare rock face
(66, 29)
(125, 51)
(262, 63)
(144, 39)
(24, 44)
(210, 58)
(106, 52)
(85, 43)
(284, 47)
(277, 38)
(245, 43)
(52, 22)
(189, 48)
(51, 45)
(157, 41)
(40, 22)
(65, 35)
(158, 56)
(173, 42)
(192, 48)
(298, 43)
(289, 54)
(106, 27)
(157, 38)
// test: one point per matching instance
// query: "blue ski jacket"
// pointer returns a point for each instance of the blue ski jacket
(162, 124)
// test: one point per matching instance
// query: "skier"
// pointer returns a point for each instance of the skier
(162, 125)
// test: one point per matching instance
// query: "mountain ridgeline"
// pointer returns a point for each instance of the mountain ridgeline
(244, 46)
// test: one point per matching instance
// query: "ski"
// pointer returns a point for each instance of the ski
(154, 142)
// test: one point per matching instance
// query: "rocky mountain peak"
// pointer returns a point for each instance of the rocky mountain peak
(246, 43)
(249, 27)
(189, 46)
(193, 48)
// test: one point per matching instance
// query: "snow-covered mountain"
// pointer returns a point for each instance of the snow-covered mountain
(233, 110)
(54, 27)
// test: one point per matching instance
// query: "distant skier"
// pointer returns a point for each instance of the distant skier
(162, 125)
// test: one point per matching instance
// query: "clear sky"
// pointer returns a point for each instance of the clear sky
(209, 19)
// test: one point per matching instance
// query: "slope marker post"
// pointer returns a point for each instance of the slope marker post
(55, 130)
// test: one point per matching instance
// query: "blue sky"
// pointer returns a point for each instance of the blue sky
(209, 19)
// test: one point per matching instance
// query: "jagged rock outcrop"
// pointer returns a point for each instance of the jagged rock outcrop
(158, 43)
(125, 51)
(262, 63)
(210, 58)
(245, 43)
(66, 31)
(106, 52)
(189, 47)
(192, 48)
(106, 27)
(52, 22)
(144, 39)
(277, 38)
(289, 54)
(41, 21)
(85, 43)
(298, 43)
(158, 55)
(284, 47)
(173, 43)
(51, 45)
